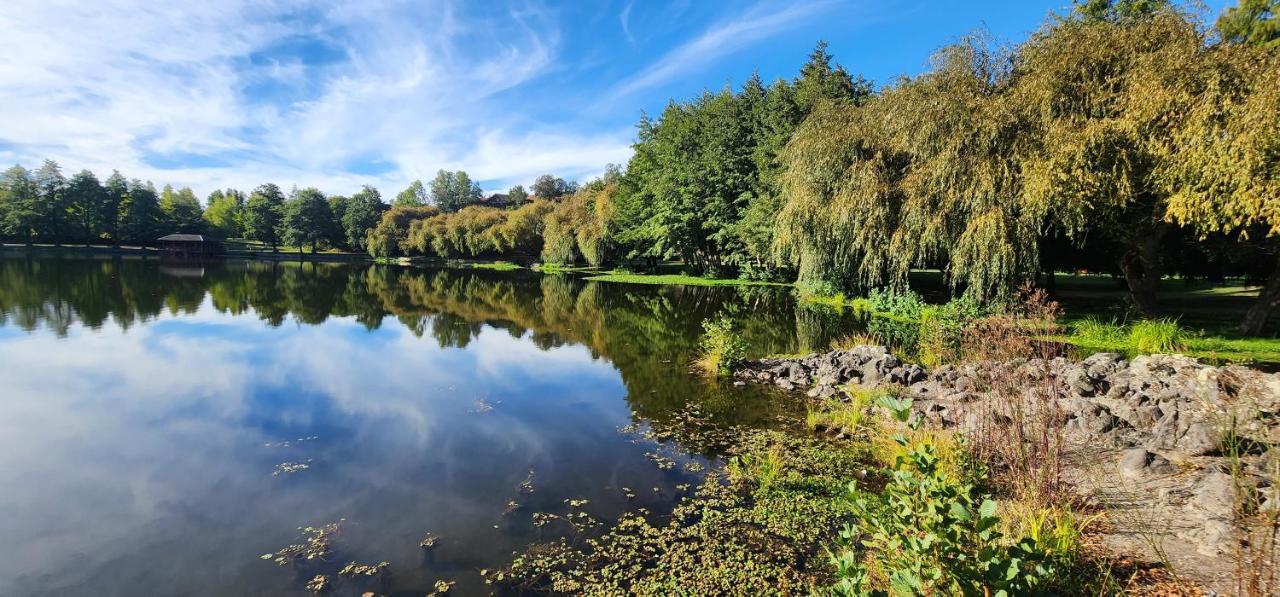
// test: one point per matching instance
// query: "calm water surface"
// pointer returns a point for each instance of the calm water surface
(145, 410)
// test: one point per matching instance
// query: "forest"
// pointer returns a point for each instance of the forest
(1124, 137)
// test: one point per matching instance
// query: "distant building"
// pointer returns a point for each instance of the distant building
(498, 200)
(190, 246)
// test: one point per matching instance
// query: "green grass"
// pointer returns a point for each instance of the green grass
(502, 266)
(555, 268)
(630, 278)
(1146, 337)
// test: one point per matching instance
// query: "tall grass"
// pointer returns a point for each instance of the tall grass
(1154, 336)
(848, 417)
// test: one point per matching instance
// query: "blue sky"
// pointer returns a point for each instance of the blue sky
(339, 94)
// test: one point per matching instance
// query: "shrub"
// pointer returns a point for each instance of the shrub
(722, 347)
(902, 303)
(930, 532)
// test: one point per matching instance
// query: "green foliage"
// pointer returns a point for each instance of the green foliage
(452, 191)
(415, 195)
(1158, 336)
(1255, 22)
(182, 211)
(224, 213)
(264, 214)
(549, 187)
(723, 539)
(388, 237)
(517, 195)
(701, 184)
(87, 205)
(141, 218)
(722, 346)
(902, 303)
(928, 532)
(19, 203)
(363, 212)
(763, 468)
(308, 219)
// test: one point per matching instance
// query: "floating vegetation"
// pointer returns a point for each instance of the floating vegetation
(289, 468)
(578, 520)
(631, 495)
(693, 466)
(482, 407)
(357, 570)
(443, 586)
(739, 539)
(683, 487)
(429, 541)
(512, 506)
(317, 545)
(663, 462)
(319, 584)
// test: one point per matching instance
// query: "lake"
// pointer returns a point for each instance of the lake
(164, 426)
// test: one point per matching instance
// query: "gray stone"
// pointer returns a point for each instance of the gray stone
(1138, 462)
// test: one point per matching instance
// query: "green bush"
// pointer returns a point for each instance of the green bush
(930, 533)
(722, 346)
(902, 303)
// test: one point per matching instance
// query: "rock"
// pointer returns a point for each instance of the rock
(1138, 462)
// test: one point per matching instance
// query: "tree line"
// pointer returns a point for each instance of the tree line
(1122, 137)
(46, 206)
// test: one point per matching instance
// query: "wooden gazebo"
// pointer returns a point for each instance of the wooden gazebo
(190, 246)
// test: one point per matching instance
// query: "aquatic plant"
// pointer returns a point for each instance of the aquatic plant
(722, 347)
(317, 545)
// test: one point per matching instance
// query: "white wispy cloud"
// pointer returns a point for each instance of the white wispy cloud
(720, 40)
(201, 94)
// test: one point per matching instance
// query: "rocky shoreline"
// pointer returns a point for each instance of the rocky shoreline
(1153, 440)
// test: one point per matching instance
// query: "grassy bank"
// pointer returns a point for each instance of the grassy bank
(682, 279)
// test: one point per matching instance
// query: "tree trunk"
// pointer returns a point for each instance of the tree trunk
(1255, 319)
(1143, 269)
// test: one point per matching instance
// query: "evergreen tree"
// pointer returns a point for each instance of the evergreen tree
(19, 203)
(54, 217)
(117, 189)
(140, 215)
(87, 200)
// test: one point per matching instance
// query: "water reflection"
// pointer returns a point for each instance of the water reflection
(144, 410)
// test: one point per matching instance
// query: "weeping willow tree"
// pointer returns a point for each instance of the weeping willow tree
(1224, 161)
(1102, 99)
(925, 174)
